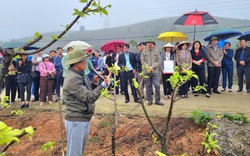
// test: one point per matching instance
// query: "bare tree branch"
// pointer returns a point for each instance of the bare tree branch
(9, 54)
(31, 43)
(60, 35)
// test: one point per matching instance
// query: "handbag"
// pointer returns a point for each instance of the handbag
(21, 78)
(33, 75)
(50, 76)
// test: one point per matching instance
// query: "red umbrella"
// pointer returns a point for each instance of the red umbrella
(110, 45)
(196, 18)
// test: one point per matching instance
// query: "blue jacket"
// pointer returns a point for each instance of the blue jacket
(228, 58)
(93, 59)
(58, 63)
(100, 64)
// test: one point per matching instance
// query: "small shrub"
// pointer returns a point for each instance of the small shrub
(201, 117)
(103, 124)
(209, 143)
(95, 139)
(237, 117)
(18, 112)
(48, 146)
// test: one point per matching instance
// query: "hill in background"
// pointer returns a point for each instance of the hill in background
(141, 31)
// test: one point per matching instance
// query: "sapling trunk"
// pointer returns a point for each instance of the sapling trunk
(165, 129)
(61, 125)
(113, 130)
(148, 117)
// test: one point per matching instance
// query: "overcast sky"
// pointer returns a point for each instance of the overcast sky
(22, 18)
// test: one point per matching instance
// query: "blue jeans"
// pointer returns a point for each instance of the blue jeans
(227, 72)
(77, 135)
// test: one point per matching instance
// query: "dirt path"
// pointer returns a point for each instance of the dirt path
(226, 102)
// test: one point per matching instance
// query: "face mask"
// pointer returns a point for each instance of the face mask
(110, 54)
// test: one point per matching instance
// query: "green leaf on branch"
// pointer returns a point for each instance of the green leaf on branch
(54, 37)
(83, 1)
(77, 12)
(135, 83)
(109, 6)
(104, 11)
(94, 4)
(155, 140)
(7, 134)
(37, 34)
(104, 92)
(195, 76)
(160, 154)
(30, 131)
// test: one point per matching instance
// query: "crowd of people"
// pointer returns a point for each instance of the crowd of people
(43, 75)
(84, 73)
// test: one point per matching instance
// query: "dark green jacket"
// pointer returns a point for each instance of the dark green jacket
(79, 97)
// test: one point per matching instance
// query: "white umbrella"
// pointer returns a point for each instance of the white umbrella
(77, 45)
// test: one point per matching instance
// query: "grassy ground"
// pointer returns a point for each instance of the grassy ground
(226, 102)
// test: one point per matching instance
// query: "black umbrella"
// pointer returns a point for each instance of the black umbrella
(245, 36)
(17, 44)
(223, 34)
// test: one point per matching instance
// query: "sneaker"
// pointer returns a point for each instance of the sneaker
(230, 90)
(41, 104)
(223, 89)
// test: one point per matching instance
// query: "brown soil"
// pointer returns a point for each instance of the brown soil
(133, 135)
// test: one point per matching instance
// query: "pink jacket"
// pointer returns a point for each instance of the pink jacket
(42, 68)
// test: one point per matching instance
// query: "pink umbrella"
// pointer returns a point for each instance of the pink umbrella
(110, 45)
